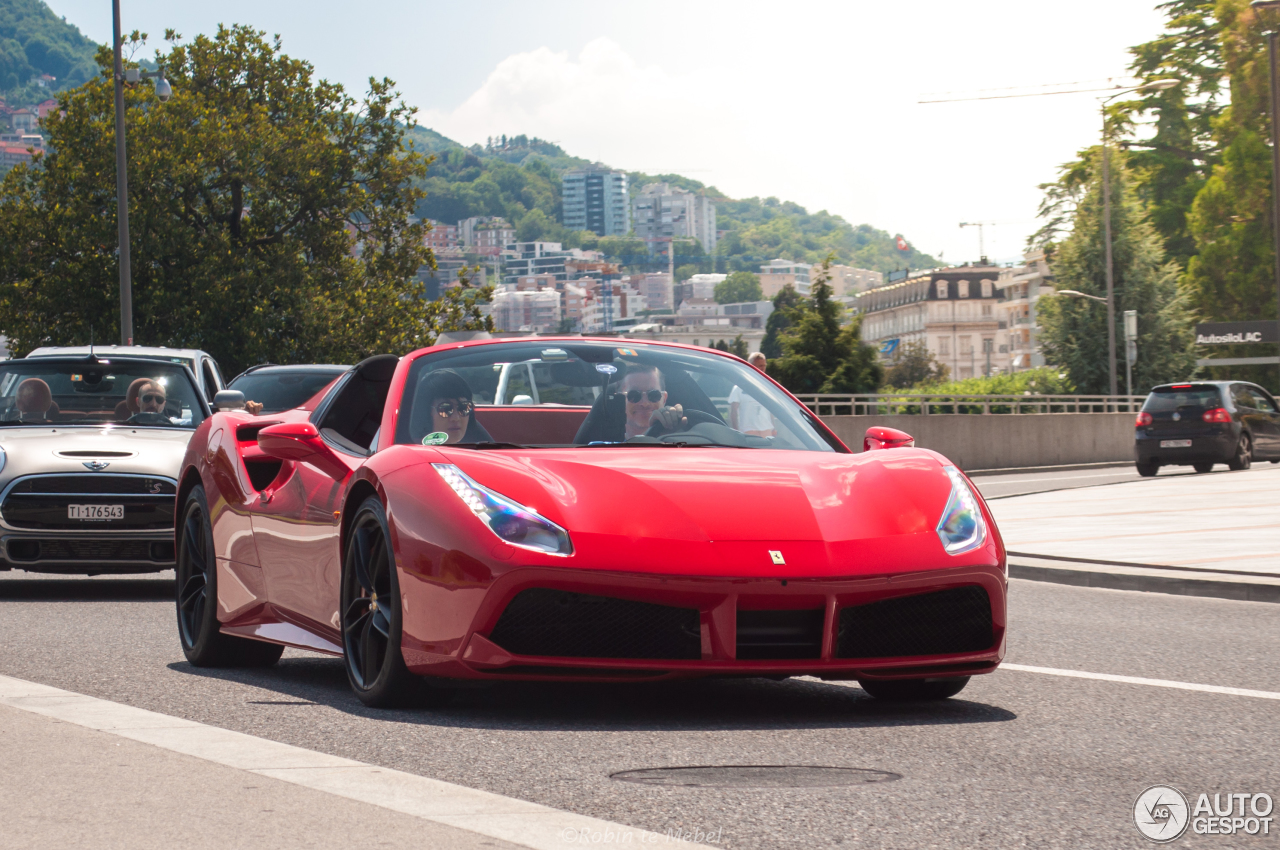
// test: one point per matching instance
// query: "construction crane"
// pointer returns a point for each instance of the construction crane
(982, 247)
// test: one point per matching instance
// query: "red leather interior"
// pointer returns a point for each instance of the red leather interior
(532, 425)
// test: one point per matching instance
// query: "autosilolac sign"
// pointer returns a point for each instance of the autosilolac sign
(1232, 333)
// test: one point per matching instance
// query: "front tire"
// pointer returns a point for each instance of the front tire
(371, 617)
(1243, 458)
(202, 641)
(913, 690)
(1148, 468)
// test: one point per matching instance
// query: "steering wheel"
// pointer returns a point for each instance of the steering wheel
(695, 417)
(147, 417)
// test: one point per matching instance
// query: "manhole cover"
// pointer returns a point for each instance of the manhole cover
(756, 776)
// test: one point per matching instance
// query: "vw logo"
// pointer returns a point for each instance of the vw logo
(1177, 417)
(96, 465)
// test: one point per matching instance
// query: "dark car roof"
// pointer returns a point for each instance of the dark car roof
(268, 368)
(1219, 384)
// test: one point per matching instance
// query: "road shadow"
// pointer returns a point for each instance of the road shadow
(35, 587)
(703, 704)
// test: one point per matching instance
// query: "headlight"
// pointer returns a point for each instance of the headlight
(512, 523)
(961, 528)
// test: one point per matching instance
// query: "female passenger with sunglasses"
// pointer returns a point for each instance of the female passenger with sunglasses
(451, 409)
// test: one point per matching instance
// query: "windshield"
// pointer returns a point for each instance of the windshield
(84, 392)
(590, 394)
(282, 389)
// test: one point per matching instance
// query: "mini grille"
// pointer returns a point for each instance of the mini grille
(779, 634)
(938, 623)
(84, 550)
(541, 621)
(98, 484)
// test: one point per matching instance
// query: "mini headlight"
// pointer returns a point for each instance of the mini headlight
(509, 521)
(961, 528)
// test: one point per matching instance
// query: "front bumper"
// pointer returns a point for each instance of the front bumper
(730, 627)
(47, 551)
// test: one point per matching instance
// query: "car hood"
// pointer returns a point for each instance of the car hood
(46, 449)
(826, 513)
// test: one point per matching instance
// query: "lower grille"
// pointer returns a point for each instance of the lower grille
(779, 634)
(541, 621)
(27, 551)
(938, 623)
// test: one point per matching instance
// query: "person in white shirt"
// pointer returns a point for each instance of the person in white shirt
(745, 413)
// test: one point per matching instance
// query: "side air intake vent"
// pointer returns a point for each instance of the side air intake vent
(541, 621)
(938, 623)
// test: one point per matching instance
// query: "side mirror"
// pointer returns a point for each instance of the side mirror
(301, 442)
(887, 438)
(228, 400)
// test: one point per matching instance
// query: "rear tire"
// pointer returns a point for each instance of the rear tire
(913, 690)
(1148, 468)
(1203, 467)
(199, 632)
(371, 618)
(1243, 458)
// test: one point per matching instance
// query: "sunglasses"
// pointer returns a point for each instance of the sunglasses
(448, 408)
(634, 396)
(152, 398)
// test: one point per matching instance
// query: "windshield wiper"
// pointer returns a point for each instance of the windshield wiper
(492, 444)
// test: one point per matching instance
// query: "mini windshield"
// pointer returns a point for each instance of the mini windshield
(44, 391)
(592, 394)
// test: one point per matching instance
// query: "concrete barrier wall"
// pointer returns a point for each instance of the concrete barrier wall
(996, 441)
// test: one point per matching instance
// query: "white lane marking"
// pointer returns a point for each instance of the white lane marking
(492, 815)
(1138, 680)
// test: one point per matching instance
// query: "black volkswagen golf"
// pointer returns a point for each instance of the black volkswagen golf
(1207, 422)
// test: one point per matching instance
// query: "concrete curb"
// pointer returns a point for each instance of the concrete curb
(1217, 585)
(1070, 467)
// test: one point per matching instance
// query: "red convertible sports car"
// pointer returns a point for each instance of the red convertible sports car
(569, 509)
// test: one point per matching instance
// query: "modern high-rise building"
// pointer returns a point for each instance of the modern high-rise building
(661, 212)
(595, 198)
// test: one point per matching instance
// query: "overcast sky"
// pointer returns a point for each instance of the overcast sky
(812, 102)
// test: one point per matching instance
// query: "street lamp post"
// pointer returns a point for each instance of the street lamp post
(1130, 349)
(164, 91)
(1272, 37)
(1154, 85)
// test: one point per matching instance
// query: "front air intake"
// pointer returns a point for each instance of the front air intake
(541, 621)
(939, 623)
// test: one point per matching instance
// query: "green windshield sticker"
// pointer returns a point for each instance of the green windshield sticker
(435, 438)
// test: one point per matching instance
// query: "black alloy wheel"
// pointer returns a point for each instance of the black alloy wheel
(1243, 458)
(1203, 467)
(913, 690)
(371, 617)
(1148, 468)
(203, 643)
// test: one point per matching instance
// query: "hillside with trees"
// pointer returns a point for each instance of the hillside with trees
(518, 178)
(35, 41)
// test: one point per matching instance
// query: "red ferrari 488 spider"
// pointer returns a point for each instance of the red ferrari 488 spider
(565, 508)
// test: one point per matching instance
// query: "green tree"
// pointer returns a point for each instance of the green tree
(1074, 330)
(739, 286)
(269, 214)
(738, 347)
(460, 308)
(785, 306)
(914, 366)
(821, 356)
(686, 271)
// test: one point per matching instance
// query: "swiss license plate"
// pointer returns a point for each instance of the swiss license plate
(92, 512)
(1175, 444)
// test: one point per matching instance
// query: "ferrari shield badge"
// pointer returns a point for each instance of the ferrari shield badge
(435, 438)
(777, 556)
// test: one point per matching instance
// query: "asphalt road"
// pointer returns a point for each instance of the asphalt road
(1023, 483)
(1018, 759)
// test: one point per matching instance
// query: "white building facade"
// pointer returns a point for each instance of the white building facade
(596, 199)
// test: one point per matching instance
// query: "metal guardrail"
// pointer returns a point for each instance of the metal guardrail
(884, 404)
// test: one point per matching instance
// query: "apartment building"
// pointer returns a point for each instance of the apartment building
(536, 310)
(657, 289)
(1020, 288)
(847, 281)
(441, 235)
(661, 212)
(595, 199)
(485, 234)
(778, 273)
(951, 310)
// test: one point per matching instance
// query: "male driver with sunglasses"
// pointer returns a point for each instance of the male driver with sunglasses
(646, 397)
